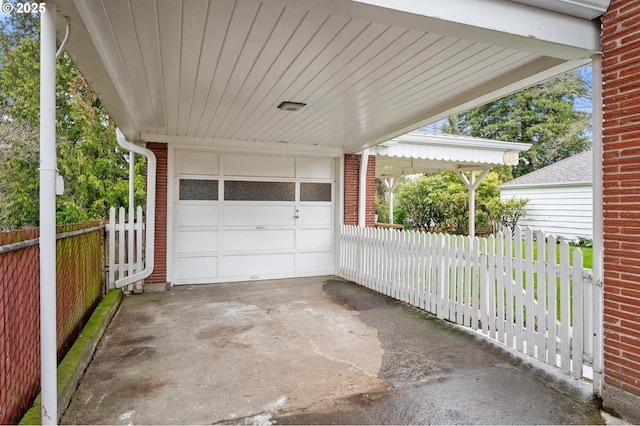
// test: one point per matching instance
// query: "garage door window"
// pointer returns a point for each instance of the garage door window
(315, 191)
(235, 190)
(198, 189)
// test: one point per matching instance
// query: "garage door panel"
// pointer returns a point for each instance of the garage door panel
(196, 162)
(197, 241)
(316, 215)
(245, 216)
(263, 239)
(258, 215)
(255, 266)
(191, 215)
(314, 168)
(259, 166)
(315, 238)
(316, 262)
(197, 267)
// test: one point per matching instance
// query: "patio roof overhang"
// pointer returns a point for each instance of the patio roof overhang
(424, 152)
(214, 72)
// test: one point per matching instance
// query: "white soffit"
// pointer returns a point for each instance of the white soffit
(425, 152)
(202, 71)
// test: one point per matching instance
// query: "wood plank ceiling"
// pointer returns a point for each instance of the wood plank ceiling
(205, 71)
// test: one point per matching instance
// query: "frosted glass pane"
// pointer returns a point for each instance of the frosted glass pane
(198, 189)
(315, 191)
(235, 190)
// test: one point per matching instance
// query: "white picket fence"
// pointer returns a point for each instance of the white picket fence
(125, 240)
(509, 289)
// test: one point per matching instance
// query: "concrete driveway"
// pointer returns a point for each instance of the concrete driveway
(309, 351)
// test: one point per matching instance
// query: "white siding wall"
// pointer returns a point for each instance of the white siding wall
(561, 210)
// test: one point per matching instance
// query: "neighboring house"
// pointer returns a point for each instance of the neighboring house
(560, 197)
(248, 188)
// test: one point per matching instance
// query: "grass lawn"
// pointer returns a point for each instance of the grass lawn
(587, 254)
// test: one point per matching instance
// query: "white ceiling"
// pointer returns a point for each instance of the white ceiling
(214, 71)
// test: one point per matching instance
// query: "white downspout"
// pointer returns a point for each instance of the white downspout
(362, 189)
(598, 227)
(48, 177)
(472, 185)
(132, 177)
(150, 213)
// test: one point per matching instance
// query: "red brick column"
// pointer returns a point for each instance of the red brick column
(621, 181)
(351, 189)
(159, 274)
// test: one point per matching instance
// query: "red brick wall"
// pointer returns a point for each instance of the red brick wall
(621, 167)
(351, 189)
(159, 274)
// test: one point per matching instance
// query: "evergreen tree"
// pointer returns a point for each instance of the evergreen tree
(543, 115)
(95, 169)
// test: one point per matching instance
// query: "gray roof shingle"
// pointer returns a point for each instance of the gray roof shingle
(577, 168)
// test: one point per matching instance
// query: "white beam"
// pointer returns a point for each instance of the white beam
(587, 9)
(243, 146)
(497, 22)
(48, 176)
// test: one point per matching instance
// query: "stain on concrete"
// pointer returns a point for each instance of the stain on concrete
(438, 373)
(140, 318)
(139, 353)
(138, 340)
(228, 352)
(225, 336)
(306, 351)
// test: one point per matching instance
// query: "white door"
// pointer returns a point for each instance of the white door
(244, 217)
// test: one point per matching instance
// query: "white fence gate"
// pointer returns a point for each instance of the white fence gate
(510, 289)
(125, 239)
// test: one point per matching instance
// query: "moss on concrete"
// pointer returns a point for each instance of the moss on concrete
(77, 359)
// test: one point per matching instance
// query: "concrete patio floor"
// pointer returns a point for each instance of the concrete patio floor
(309, 351)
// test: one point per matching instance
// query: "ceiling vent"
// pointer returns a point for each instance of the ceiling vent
(291, 106)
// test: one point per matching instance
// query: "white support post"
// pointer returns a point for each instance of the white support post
(472, 184)
(472, 206)
(48, 176)
(362, 193)
(391, 186)
(598, 227)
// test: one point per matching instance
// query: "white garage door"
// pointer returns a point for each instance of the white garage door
(244, 217)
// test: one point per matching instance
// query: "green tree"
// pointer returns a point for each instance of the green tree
(422, 200)
(441, 202)
(18, 165)
(508, 213)
(543, 115)
(93, 166)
